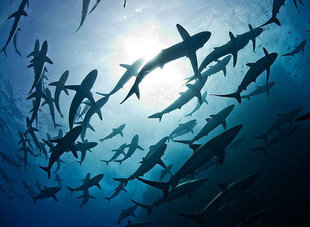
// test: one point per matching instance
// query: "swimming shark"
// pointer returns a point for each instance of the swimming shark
(232, 47)
(90, 112)
(46, 193)
(186, 48)
(189, 94)
(84, 13)
(165, 171)
(198, 105)
(62, 145)
(256, 69)
(58, 180)
(202, 154)
(82, 92)
(297, 49)
(39, 63)
(116, 192)
(146, 165)
(183, 129)
(17, 18)
(83, 148)
(131, 71)
(228, 193)
(88, 183)
(183, 189)
(84, 110)
(25, 147)
(127, 213)
(9, 160)
(212, 122)
(49, 100)
(282, 120)
(118, 152)
(31, 130)
(260, 90)
(276, 6)
(132, 147)
(115, 131)
(59, 87)
(85, 196)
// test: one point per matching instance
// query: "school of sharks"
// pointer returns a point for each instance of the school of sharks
(205, 166)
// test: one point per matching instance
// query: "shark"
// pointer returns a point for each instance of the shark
(276, 6)
(10, 160)
(186, 48)
(131, 71)
(17, 18)
(31, 130)
(147, 164)
(232, 47)
(116, 192)
(304, 117)
(95, 6)
(127, 213)
(85, 196)
(228, 193)
(83, 148)
(118, 152)
(62, 145)
(256, 69)
(49, 100)
(15, 42)
(59, 87)
(46, 193)
(299, 48)
(203, 153)
(88, 183)
(260, 90)
(189, 94)
(115, 131)
(132, 147)
(83, 91)
(212, 122)
(198, 105)
(183, 189)
(183, 129)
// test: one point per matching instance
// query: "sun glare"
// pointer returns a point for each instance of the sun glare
(160, 87)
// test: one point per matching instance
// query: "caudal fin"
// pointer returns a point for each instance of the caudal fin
(48, 170)
(4, 51)
(195, 217)
(148, 207)
(272, 20)
(106, 162)
(235, 95)
(134, 90)
(70, 189)
(157, 115)
(164, 186)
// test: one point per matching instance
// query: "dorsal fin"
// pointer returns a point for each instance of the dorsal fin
(231, 35)
(265, 51)
(250, 27)
(183, 33)
(126, 66)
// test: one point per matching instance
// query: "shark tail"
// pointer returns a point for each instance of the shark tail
(262, 148)
(157, 115)
(34, 198)
(122, 180)
(133, 90)
(235, 95)
(48, 170)
(195, 217)
(164, 186)
(4, 51)
(272, 20)
(70, 189)
(148, 207)
(262, 137)
(108, 198)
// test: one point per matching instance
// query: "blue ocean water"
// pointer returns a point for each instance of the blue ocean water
(113, 35)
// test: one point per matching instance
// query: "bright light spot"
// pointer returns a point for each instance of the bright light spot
(162, 86)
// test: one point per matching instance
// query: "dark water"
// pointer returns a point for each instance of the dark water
(112, 35)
